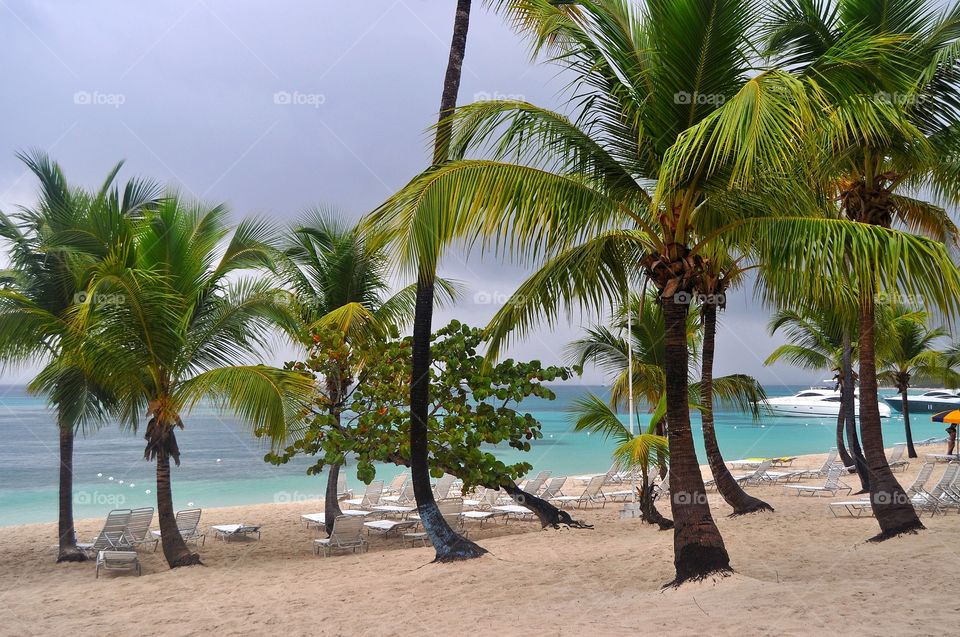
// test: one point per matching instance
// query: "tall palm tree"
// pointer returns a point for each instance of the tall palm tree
(338, 278)
(891, 133)
(906, 352)
(604, 348)
(819, 340)
(55, 247)
(190, 328)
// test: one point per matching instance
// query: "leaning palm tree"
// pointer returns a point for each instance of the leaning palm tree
(189, 328)
(55, 248)
(906, 352)
(608, 351)
(891, 133)
(339, 279)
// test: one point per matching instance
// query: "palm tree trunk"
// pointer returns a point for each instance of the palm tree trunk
(68, 551)
(732, 493)
(449, 544)
(891, 506)
(841, 448)
(847, 399)
(911, 450)
(331, 506)
(174, 548)
(697, 545)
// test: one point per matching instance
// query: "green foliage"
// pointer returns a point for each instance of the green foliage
(471, 404)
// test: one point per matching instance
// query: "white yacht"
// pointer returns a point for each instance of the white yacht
(931, 402)
(816, 402)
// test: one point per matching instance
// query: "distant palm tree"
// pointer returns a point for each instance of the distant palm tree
(339, 279)
(188, 327)
(906, 352)
(55, 247)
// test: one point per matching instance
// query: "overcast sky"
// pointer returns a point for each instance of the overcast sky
(273, 107)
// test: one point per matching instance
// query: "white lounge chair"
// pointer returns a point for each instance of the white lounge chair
(226, 531)
(552, 490)
(113, 535)
(402, 497)
(188, 523)
(118, 561)
(533, 485)
(823, 470)
(453, 520)
(371, 496)
(896, 460)
(832, 484)
(919, 497)
(138, 525)
(591, 493)
(320, 519)
(343, 491)
(397, 484)
(442, 488)
(347, 534)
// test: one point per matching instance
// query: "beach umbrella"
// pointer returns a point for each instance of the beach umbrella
(951, 417)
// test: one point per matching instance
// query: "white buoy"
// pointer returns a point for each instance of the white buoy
(132, 485)
(189, 504)
(99, 475)
(110, 478)
(121, 482)
(147, 491)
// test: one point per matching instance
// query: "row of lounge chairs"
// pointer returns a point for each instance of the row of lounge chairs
(944, 496)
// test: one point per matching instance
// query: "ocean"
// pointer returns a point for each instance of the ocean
(222, 462)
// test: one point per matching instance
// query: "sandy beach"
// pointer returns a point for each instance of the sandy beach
(800, 571)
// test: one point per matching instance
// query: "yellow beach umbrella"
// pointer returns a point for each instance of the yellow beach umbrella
(948, 417)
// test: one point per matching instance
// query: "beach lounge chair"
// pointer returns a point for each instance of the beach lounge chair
(371, 496)
(943, 457)
(441, 490)
(343, 491)
(533, 485)
(896, 460)
(919, 497)
(347, 534)
(663, 488)
(553, 488)
(831, 485)
(401, 498)
(453, 520)
(226, 531)
(758, 476)
(940, 497)
(188, 523)
(320, 519)
(117, 561)
(113, 535)
(397, 484)
(593, 492)
(138, 525)
(822, 471)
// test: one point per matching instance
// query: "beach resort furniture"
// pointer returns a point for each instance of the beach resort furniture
(371, 496)
(442, 488)
(484, 500)
(553, 488)
(533, 485)
(113, 535)
(662, 488)
(343, 491)
(138, 525)
(593, 492)
(397, 484)
(347, 534)
(939, 498)
(453, 520)
(758, 476)
(320, 519)
(853, 508)
(896, 460)
(753, 463)
(919, 497)
(832, 484)
(117, 561)
(227, 531)
(388, 527)
(823, 470)
(188, 523)
(402, 497)
(943, 457)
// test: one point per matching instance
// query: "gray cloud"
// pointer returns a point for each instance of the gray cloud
(274, 107)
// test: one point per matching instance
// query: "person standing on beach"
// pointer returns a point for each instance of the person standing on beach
(951, 439)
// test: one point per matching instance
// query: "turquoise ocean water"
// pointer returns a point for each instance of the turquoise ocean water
(222, 463)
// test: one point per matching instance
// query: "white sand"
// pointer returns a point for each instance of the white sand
(799, 572)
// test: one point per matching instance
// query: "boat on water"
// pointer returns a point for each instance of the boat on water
(816, 402)
(929, 402)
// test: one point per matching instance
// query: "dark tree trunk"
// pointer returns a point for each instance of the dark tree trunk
(698, 547)
(548, 514)
(331, 506)
(842, 448)
(648, 508)
(911, 450)
(68, 551)
(890, 503)
(847, 399)
(451, 81)
(732, 493)
(174, 548)
(449, 544)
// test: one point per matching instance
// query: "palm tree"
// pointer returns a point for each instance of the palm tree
(604, 348)
(906, 352)
(891, 132)
(819, 340)
(54, 249)
(338, 278)
(189, 328)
